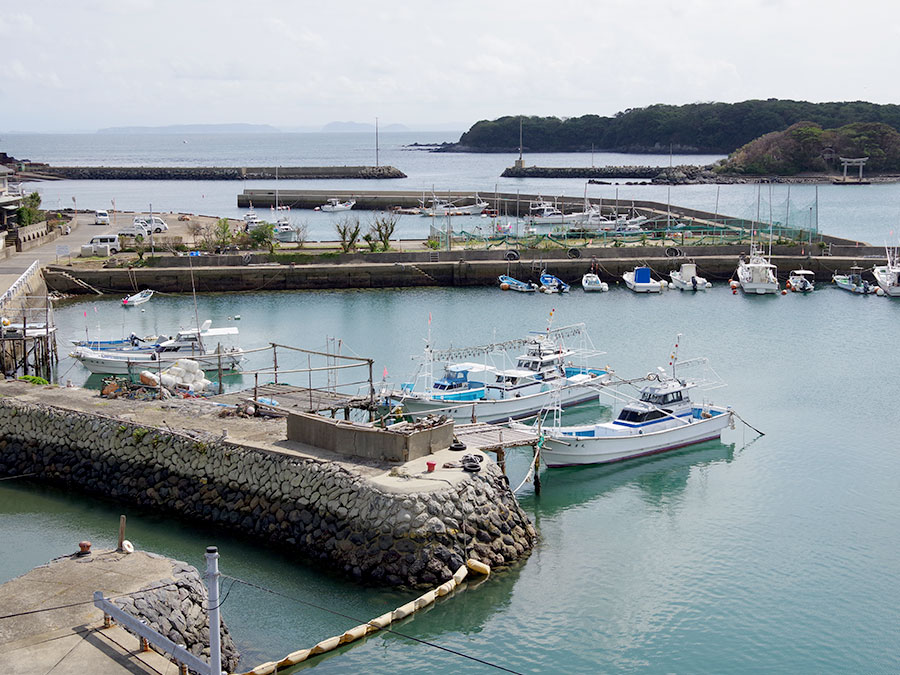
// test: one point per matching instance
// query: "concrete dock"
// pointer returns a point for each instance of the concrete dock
(35, 638)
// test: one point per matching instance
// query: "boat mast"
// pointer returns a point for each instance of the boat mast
(674, 355)
(376, 142)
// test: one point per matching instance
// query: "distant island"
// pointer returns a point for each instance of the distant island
(711, 128)
(194, 129)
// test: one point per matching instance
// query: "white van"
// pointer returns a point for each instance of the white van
(157, 224)
(101, 217)
(111, 240)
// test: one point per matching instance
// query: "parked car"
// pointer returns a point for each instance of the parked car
(156, 224)
(111, 240)
(138, 228)
(101, 217)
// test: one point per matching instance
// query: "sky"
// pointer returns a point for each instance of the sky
(80, 66)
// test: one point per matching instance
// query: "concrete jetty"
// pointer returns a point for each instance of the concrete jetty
(386, 522)
(52, 624)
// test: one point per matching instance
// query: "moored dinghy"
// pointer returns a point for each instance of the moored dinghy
(801, 281)
(508, 283)
(591, 283)
(640, 281)
(854, 282)
(334, 205)
(137, 298)
(686, 278)
(553, 284)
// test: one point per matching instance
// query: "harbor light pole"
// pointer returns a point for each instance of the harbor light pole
(215, 621)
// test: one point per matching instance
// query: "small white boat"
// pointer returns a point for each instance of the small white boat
(854, 282)
(661, 418)
(591, 283)
(686, 278)
(640, 281)
(137, 298)
(334, 204)
(756, 275)
(552, 284)
(545, 213)
(443, 207)
(508, 283)
(801, 281)
(251, 220)
(888, 276)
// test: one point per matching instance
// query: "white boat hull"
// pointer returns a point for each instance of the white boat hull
(107, 364)
(639, 287)
(562, 450)
(883, 277)
(685, 285)
(499, 410)
(758, 288)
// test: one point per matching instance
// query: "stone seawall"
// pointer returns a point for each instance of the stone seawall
(216, 172)
(179, 611)
(320, 510)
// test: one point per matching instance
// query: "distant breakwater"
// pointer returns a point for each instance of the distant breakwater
(212, 172)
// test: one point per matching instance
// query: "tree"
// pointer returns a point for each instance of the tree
(222, 233)
(382, 229)
(30, 211)
(263, 236)
(348, 230)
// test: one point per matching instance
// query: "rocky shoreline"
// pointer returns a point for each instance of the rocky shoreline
(211, 172)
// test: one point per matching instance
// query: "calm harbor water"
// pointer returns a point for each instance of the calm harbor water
(776, 554)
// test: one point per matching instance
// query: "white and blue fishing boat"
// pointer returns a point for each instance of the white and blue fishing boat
(640, 281)
(591, 282)
(662, 418)
(854, 282)
(546, 371)
(507, 283)
(553, 284)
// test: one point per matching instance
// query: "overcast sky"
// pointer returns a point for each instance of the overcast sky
(80, 66)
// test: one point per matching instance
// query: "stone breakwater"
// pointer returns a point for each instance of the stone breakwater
(214, 172)
(320, 510)
(178, 611)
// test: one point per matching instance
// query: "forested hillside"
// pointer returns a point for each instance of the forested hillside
(697, 127)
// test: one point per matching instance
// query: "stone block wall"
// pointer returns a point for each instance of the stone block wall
(317, 508)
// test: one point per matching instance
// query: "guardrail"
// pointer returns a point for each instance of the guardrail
(18, 285)
(148, 635)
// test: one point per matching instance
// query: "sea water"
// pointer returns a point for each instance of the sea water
(753, 554)
(750, 554)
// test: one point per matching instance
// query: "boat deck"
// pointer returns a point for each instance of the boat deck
(290, 397)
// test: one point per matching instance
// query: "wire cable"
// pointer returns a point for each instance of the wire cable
(387, 630)
(83, 602)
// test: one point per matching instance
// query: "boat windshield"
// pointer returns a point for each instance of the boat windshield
(637, 416)
(660, 399)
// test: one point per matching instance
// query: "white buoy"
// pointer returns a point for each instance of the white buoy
(879, 292)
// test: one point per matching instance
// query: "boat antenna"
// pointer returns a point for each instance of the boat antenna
(550, 321)
(376, 142)
(674, 355)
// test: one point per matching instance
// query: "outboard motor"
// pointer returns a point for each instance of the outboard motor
(694, 283)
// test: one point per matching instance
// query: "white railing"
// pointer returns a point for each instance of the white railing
(145, 633)
(19, 284)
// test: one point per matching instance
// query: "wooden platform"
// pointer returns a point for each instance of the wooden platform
(491, 437)
(290, 397)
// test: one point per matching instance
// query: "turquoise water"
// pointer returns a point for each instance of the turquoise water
(775, 554)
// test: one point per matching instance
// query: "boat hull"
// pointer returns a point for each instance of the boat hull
(685, 285)
(560, 450)
(640, 287)
(499, 410)
(883, 277)
(134, 364)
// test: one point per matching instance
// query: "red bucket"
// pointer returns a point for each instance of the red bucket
(430, 466)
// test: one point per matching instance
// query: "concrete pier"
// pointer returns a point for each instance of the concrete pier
(55, 626)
